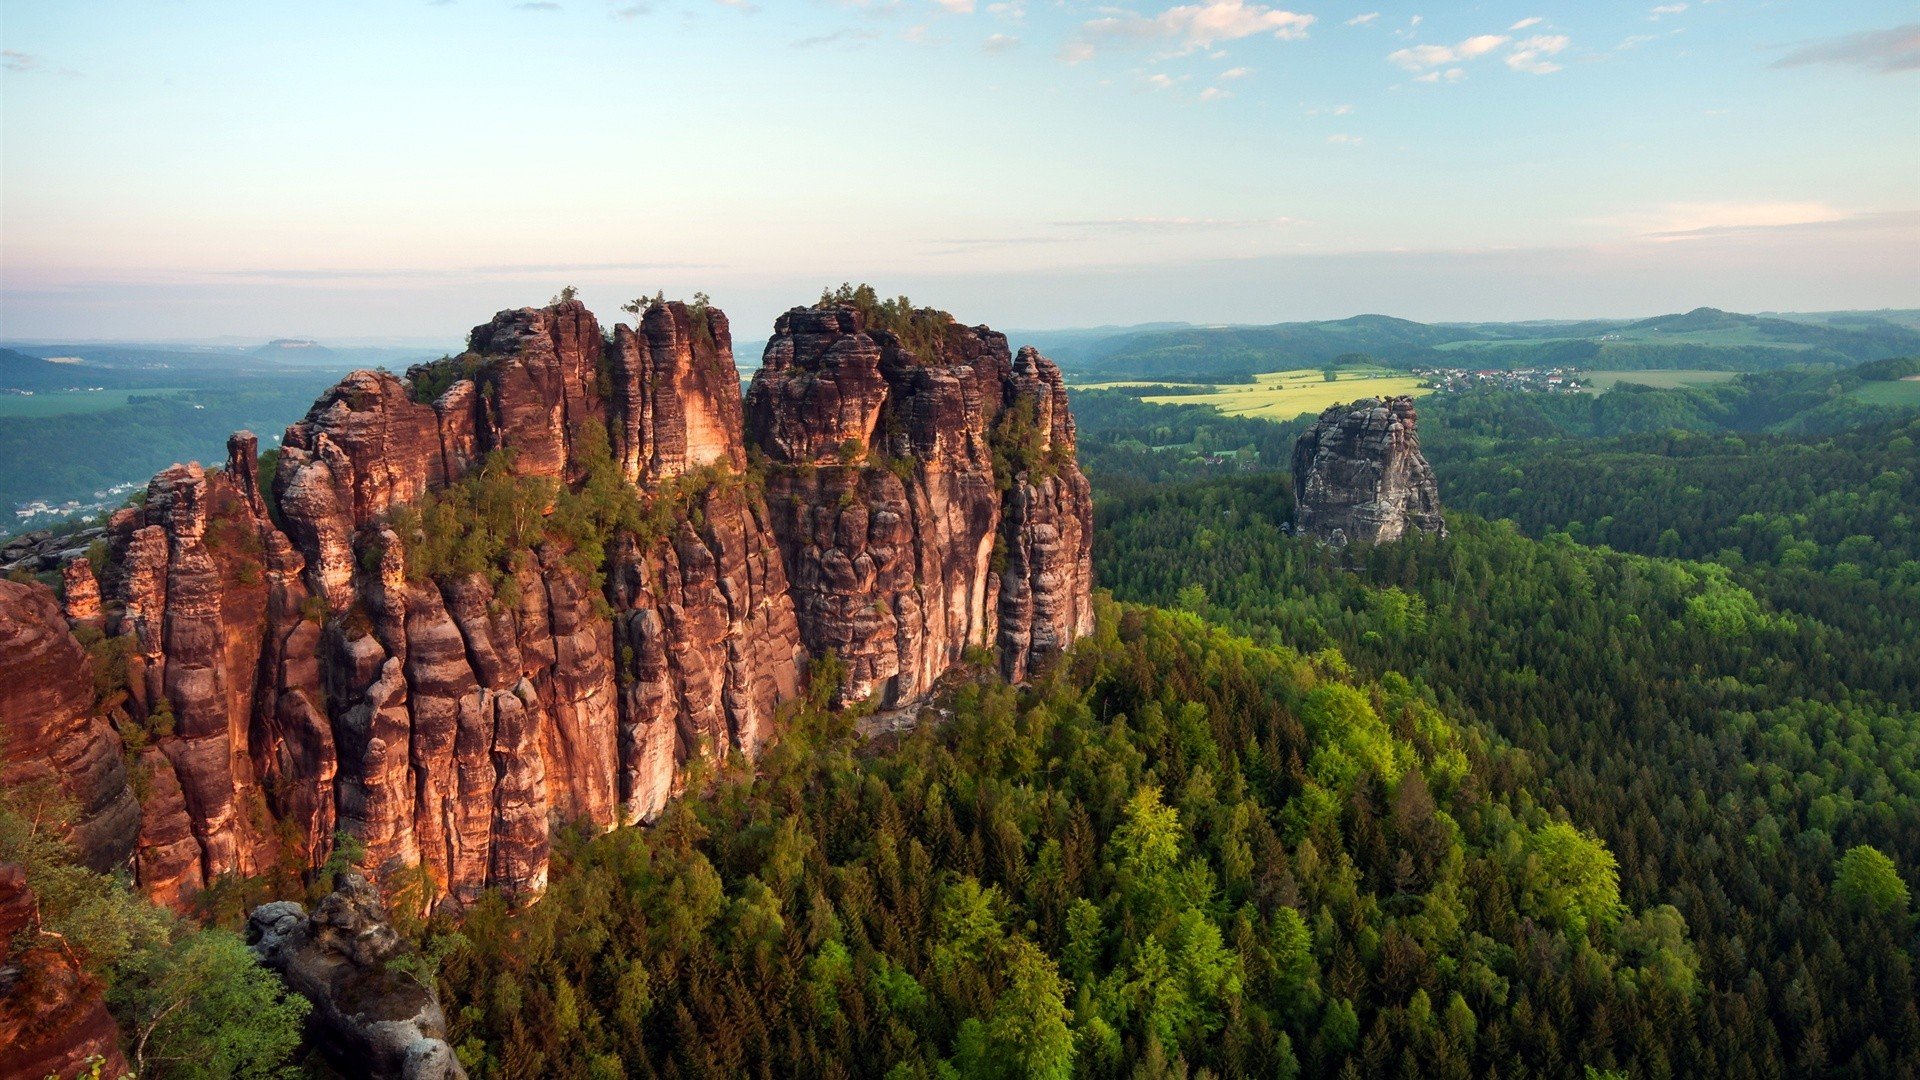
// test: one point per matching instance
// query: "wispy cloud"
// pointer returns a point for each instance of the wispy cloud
(1665, 9)
(1362, 20)
(1171, 224)
(537, 5)
(1074, 52)
(1236, 73)
(850, 35)
(1691, 220)
(1441, 62)
(1214, 93)
(28, 63)
(1346, 140)
(999, 43)
(1885, 51)
(956, 7)
(1421, 57)
(1524, 23)
(1530, 55)
(1191, 27)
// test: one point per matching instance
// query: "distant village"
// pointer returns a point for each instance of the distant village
(1537, 380)
(106, 499)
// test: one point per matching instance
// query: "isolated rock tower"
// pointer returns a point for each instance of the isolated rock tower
(1359, 476)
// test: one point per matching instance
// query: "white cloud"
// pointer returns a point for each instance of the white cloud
(1665, 9)
(1449, 75)
(1524, 23)
(1690, 220)
(1362, 20)
(1236, 73)
(1346, 140)
(1074, 52)
(1420, 57)
(956, 7)
(1016, 10)
(999, 43)
(1198, 26)
(1214, 93)
(1530, 55)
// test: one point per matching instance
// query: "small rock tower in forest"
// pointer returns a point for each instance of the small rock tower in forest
(1359, 476)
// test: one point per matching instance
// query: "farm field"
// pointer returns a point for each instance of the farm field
(1603, 381)
(1283, 395)
(1900, 392)
(71, 402)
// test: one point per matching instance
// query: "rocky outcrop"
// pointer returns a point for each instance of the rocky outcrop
(55, 737)
(1359, 477)
(323, 651)
(925, 497)
(371, 1016)
(53, 1019)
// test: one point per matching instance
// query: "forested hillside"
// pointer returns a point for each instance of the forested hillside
(1730, 728)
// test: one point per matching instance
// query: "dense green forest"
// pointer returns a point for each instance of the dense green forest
(1180, 851)
(1729, 696)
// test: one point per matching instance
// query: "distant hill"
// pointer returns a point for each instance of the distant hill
(20, 371)
(295, 350)
(1706, 338)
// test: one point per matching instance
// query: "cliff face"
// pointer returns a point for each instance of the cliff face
(903, 541)
(1359, 476)
(634, 598)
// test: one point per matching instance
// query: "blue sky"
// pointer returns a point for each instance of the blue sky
(364, 170)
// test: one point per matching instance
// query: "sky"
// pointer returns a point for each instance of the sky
(174, 169)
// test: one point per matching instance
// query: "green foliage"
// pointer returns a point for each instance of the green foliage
(191, 1002)
(203, 1008)
(1866, 880)
(1700, 651)
(1571, 878)
(922, 332)
(1073, 879)
(491, 521)
(427, 382)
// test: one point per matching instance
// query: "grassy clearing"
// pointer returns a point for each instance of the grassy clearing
(1902, 392)
(70, 402)
(1283, 395)
(1603, 381)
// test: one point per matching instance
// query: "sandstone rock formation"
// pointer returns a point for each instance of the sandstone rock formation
(297, 668)
(926, 500)
(52, 734)
(371, 1017)
(1359, 477)
(53, 1020)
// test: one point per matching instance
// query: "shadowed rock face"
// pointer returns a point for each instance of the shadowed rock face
(54, 736)
(289, 679)
(371, 1019)
(1359, 477)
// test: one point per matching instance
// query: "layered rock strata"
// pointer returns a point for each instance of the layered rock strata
(1359, 476)
(297, 668)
